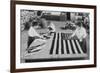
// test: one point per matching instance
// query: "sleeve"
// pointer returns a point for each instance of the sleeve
(73, 34)
(85, 34)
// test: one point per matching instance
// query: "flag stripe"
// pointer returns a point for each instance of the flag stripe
(67, 50)
(52, 46)
(62, 45)
(77, 47)
(57, 46)
(72, 47)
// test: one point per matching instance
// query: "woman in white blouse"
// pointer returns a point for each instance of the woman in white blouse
(81, 35)
(32, 36)
(80, 32)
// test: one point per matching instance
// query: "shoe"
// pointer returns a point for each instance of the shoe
(31, 51)
(35, 48)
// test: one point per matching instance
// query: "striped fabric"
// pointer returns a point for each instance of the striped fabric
(65, 46)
